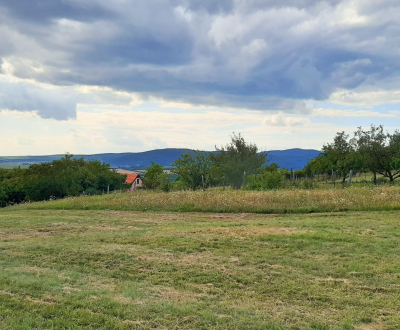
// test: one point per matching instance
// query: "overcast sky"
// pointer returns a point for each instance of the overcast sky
(93, 76)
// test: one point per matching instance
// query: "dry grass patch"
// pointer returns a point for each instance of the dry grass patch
(24, 235)
(47, 300)
(333, 280)
(372, 326)
(177, 295)
(100, 283)
(244, 231)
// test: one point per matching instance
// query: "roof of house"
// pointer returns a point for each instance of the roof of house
(130, 178)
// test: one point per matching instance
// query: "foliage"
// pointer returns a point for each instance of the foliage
(11, 187)
(60, 178)
(238, 159)
(155, 178)
(268, 180)
(270, 177)
(69, 177)
(197, 170)
(319, 164)
(372, 150)
(341, 156)
(380, 151)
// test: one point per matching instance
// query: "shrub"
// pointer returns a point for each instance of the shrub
(265, 181)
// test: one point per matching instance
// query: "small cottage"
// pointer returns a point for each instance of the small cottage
(134, 180)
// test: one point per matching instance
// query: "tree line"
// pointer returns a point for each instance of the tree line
(372, 150)
(57, 179)
(239, 164)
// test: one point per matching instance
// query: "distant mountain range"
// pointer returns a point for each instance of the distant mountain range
(291, 158)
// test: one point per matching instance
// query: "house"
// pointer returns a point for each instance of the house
(134, 180)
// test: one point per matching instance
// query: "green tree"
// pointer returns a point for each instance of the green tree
(11, 187)
(380, 151)
(69, 177)
(196, 170)
(270, 177)
(237, 159)
(155, 178)
(341, 156)
(319, 164)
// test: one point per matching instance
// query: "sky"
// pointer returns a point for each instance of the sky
(96, 76)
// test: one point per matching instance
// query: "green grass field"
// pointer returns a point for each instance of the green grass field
(99, 269)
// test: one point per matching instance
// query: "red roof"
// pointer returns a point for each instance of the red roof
(130, 178)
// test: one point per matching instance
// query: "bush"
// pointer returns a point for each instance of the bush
(60, 178)
(265, 181)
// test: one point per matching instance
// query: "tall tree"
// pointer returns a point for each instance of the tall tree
(237, 159)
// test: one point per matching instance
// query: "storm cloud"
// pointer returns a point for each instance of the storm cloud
(262, 55)
(48, 103)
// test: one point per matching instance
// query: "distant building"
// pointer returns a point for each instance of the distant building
(134, 180)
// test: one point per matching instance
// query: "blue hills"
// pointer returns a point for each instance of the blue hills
(291, 158)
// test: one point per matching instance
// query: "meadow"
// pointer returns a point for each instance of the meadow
(143, 270)
(147, 261)
(226, 201)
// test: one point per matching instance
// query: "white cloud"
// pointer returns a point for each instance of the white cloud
(280, 120)
(366, 99)
(352, 113)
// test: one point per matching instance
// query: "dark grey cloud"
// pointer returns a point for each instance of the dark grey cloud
(211, 6)
(47, 103)
(43, 11)
(256, 54)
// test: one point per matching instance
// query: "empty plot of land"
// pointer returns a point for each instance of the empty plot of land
(82, 269)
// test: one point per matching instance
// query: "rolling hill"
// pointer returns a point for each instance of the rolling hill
(291, 158)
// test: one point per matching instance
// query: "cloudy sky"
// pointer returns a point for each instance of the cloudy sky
(93, 76)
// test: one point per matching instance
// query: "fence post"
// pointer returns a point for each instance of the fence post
(108, 189)
(350, 176)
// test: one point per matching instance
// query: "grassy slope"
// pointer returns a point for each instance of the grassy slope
(216, 200)
(125, 270)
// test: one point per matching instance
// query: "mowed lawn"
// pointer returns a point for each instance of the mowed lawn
(87, 269)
